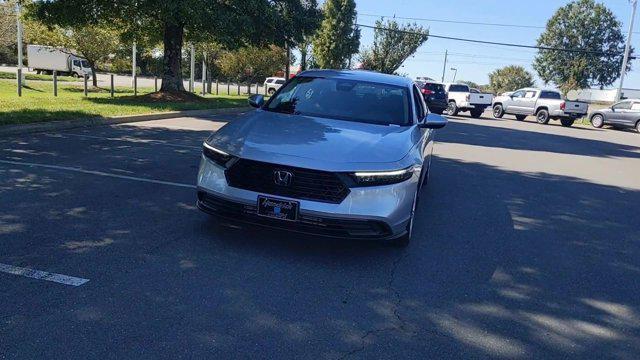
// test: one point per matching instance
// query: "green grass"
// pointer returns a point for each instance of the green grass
(38, 104)
(37, 77)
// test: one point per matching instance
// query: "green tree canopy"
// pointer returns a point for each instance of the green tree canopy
(510, 78)
(94, 43)
(471, 84)
(231, 23)
(252, 64)
(337, 39)
(581, 24)
(392, 45)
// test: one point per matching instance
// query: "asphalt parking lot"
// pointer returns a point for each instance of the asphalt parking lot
(527, 246)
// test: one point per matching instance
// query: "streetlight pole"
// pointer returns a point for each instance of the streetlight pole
(192, 77)
(455, 73)
(625, 60)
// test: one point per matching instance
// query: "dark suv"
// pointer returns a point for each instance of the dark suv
(434, 95)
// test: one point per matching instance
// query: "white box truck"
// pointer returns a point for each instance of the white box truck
(46, 59)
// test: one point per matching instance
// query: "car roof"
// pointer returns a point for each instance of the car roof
(361, 75)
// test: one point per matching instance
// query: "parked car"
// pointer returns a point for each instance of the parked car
(461, 98)
(544, 104)
(47, 59)
(272, 84)
(434, 95)
(333, 153)
(625, 114)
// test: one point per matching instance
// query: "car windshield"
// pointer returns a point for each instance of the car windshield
(342, 99)
(85, 64)
(436, 88)
(458, 88)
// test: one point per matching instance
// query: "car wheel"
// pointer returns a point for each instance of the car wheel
(542, 116)
(566, 122)
(498, 111)
(452, 108)
(638, 126)
(597, 121)
(521, 117)
(76, 75)
(271, 91)
(476, 114)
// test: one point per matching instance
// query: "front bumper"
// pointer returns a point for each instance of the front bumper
(377, 212)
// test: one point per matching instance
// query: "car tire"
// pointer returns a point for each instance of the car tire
(76, 75)
(271, 91)
(452, 109)
(638, 126)
(597, 121)
(476, 113)
(567, 122)
(521, 117)
(498, 111)
(542, 116)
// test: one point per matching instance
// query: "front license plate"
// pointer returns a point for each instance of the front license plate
(277, 208)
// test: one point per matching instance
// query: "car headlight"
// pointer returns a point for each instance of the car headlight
(375, 178)
(216, 155)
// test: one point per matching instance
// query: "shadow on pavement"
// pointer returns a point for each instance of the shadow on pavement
(503, 264)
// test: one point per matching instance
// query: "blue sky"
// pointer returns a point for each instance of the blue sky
(475, 61)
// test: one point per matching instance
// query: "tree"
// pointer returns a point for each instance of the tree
(337, 39)
(471, 84)
(392, 45)
(510, 78)
(581, 24)
(94, 43)
(230, 23)
(252, 64)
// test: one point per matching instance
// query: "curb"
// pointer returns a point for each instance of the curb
(8, 130)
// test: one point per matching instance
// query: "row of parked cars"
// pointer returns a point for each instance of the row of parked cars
(545, 105)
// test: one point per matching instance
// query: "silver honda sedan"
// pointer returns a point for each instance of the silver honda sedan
(332, 153)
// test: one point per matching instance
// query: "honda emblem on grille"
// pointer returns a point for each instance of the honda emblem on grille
(282, 178)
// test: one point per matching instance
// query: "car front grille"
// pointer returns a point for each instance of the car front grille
(306, 184)
(331, 227)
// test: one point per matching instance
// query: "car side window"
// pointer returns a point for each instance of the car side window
(76, 63)
(518, 94)
(279, 81)
(635, 106)
(530, 95)
(269, 81)
(419, 104)
(624, 105)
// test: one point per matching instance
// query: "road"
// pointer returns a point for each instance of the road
(526, 246)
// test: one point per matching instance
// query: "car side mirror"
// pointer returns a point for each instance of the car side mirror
(256, 100)
(433, 121)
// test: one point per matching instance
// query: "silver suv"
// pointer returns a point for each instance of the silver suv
(334, 153)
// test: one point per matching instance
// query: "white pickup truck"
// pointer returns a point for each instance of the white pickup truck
(461, 98)
(544, 104)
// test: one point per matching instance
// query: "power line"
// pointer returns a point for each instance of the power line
(460, 22)
(495, 42)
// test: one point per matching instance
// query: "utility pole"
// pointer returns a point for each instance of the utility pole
(625, 60)
(192, 78)
(444, 67)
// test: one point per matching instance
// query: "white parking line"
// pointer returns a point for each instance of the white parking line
(99, 173)
(134, 140)
(42, 275)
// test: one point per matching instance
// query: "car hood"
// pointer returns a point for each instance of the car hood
(291, 139)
